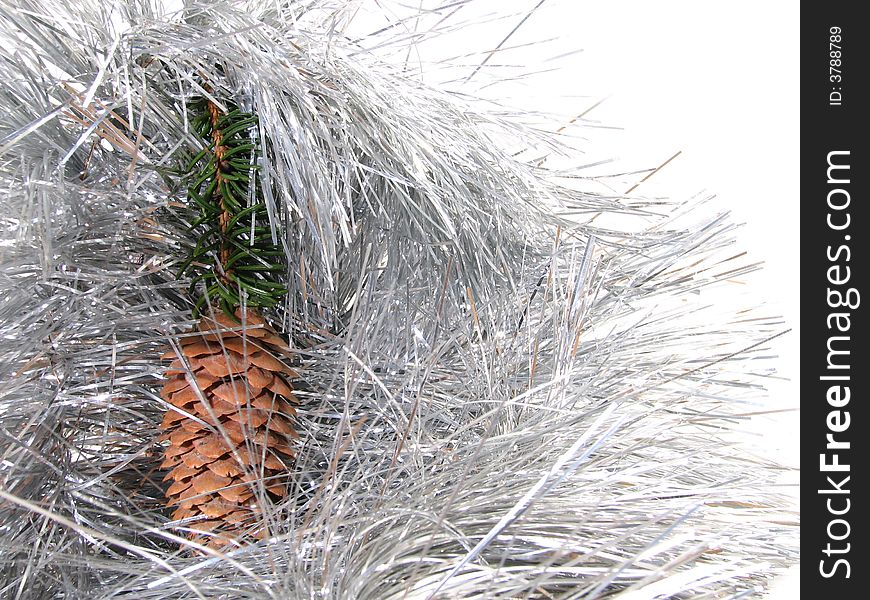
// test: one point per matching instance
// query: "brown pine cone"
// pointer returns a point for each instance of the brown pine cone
(230, 432)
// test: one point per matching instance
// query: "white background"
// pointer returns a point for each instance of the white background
(719, 81)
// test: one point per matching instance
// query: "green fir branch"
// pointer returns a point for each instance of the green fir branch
(234, 256)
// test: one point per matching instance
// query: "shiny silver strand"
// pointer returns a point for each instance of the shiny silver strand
(501, 400)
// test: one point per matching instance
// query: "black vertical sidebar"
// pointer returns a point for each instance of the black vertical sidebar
(835, 223)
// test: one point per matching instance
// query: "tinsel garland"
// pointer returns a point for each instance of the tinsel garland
(495, 403)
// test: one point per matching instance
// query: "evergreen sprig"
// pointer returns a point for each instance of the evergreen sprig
(234, 255)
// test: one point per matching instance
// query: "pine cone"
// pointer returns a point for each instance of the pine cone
(230, 434)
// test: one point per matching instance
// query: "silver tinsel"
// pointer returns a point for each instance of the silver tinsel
(499, 401)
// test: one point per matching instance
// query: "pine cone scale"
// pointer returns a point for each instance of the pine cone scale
(229, 425)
